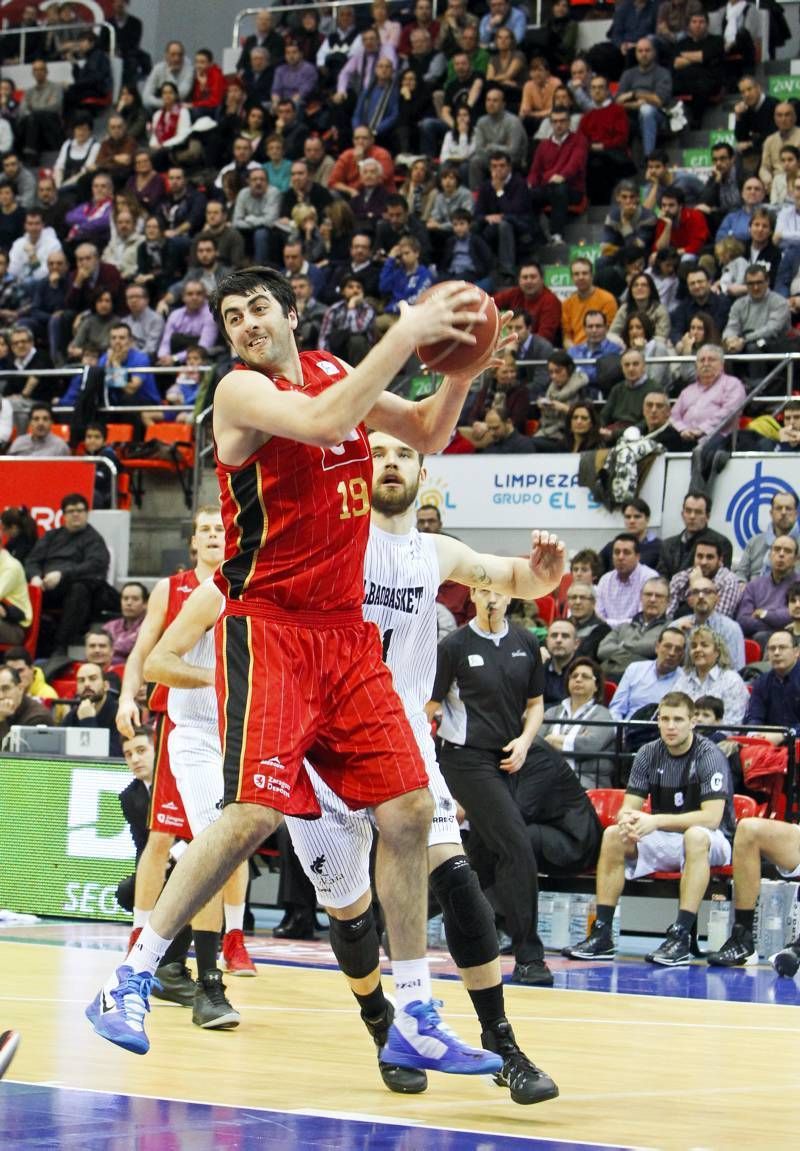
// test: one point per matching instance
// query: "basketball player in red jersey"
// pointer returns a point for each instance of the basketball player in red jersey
(167, 816)
(298, 669)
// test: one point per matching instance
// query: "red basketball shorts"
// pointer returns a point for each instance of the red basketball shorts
(286, 691)
(166, 806)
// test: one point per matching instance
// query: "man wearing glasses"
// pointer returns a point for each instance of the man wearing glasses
(757, 319)
(146, 325)
(703, 596)
(69, 564)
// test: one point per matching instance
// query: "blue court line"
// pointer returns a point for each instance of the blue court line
(40, 1117)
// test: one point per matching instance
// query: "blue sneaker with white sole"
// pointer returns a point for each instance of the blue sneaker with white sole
(418, 1038)
(118, 1014)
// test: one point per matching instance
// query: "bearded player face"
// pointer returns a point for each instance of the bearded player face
(396, 473)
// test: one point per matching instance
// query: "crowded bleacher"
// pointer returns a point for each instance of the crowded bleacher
(623, 178)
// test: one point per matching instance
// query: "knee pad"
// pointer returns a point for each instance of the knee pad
(468, 917)
(354, 942)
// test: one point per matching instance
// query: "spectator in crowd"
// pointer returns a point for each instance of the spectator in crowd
(17, 708)
(702, 596)
(787, 132)
(266, 36)
(677, 552)
(176, 70)
(498, 130)
(542, 305)
(707, 561)
(16, 612)
(697, 66)
(721, 193)
(699, 298)
(346, 177)
(628, 227)
(565, 729)
(641, 299)
(123, 247)
(304, 190)
(348, 325)
(319, 163)
(589, 628)
(737, 220)
(27, 259)
(20, 660)
(183, 211)
(689, 828)
(679, 226)
(644, 682)
(557, 176)
(625, 404)
(754, 121)
(70, 564)
(465, 255)
(567, 385)
(755, 559)
(145, 324)
(637, 639)
(96, 707)
(783, 183)
(39, 119)
(759, 319)
(94, 444)
(645, 90)
(403, 277)
(587, 298)
(595, 345)
(582, 432)
(501, 435)
(256, 212)
(503, 213)
(90, 221)
(191, 324)
(705, 412)
(607, 133)
(26, 357)
(40, 439)
(764, 604)
(91, 74)
(775, 700)
(619, 591)
(636, 513)
(531, 346)
(655, 424)
(483, 727)
(370, 203)
(560, 647)
(124, 631)
(789, 435)
(708, 671)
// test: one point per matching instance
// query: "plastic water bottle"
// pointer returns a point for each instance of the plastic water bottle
(545, 919)
(719, 922)
(435, 932)
(559, 931)
(773, 922)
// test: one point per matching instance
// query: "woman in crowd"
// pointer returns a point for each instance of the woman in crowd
(171, 125)
(253, 130)
(507, 68)
(567, 384)
(731, 267)
(208, 86)
(157, 263)
(642, 299)
(583, 429)
(77, 157)
(702, 330)
(708, 671)
(414, 104)
(537, 94)
(145, 183)
(638, 331)
(458, 144)
(419, 190)
(130, 108)
(277, 167)
(93, 329)
(565, 727)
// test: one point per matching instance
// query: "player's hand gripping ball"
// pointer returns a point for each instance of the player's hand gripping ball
(451, 356)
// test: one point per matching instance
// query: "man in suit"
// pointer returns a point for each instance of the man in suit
(677, 550)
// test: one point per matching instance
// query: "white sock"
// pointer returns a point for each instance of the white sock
(148, 951)
(141, 918)
(412, 981)
(234, 916)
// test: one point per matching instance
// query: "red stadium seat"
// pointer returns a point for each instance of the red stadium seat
(32, 632)
(180, 462)
(610, 690)
(546, 608)
(606, 801)
(752, 651)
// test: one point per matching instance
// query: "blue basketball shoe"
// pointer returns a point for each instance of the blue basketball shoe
(118, 1014)
(418, 1038)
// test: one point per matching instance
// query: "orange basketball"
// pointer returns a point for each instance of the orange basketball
(452, 356)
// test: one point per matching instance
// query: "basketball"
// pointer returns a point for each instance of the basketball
(452, 356)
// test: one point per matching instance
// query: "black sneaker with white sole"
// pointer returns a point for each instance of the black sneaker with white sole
(787, 961)
(211, 1009)
(675, 951)
(598, 944)
(526, 1082)
(175, 984)
(738, 951)
(401, 1080)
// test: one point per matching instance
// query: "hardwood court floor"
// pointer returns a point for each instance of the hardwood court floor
(634, 1070)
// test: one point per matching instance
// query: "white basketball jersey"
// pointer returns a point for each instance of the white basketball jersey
(196, 706)
(401, 582)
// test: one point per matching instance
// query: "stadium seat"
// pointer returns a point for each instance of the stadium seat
(546, 607)
(63, 431)
(178, 439)
(606, 801)
(32, 632)
(752, 651)
(610, 690)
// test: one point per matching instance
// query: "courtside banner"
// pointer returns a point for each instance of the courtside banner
(41, 484)
(531, 491)
(64, 842)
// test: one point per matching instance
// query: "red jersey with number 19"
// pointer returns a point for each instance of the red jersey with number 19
(296, 517)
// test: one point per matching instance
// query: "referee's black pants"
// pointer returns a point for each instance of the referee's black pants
(488, 796)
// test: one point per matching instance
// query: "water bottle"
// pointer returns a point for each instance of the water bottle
(545, 919)
(559, 931)
(772, 922)
(435, 932)
(719, 922)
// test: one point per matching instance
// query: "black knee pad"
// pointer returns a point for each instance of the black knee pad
(468, 917)
(354, 942)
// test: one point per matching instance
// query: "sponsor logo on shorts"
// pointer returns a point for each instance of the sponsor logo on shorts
(273, 762)
(168, 820)
(280, 786)
(442, 819)
(259, 780)
(716, 781)
(318, 865)
(170, 806)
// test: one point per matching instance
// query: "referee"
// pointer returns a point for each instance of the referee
(488, 687)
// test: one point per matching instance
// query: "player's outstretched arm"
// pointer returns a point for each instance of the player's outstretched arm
(165, 663)
(133, 676)
(428, 425)
(522, 579)
(247, 401)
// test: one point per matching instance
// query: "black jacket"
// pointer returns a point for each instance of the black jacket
(481, 254)
(676, 554)
(79, 555)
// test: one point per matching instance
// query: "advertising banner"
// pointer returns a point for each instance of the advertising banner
(42, 484)
(64, 843)
(531, 491)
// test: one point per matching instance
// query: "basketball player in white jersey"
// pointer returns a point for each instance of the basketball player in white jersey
(402, 573)
(195, 757)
